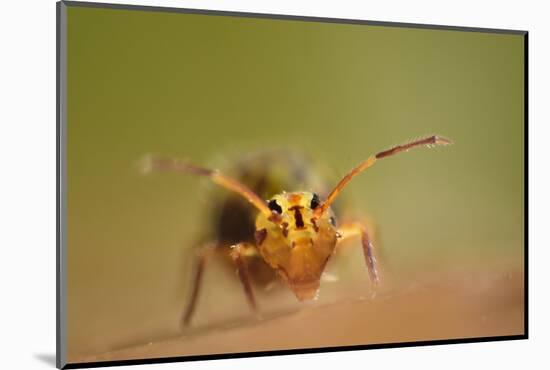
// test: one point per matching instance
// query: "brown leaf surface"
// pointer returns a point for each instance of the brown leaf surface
(457, 305)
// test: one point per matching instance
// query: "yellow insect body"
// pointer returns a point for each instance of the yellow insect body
(297, 245)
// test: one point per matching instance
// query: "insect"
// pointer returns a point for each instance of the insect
(292, 236)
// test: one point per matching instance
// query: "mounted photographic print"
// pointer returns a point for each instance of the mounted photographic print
(236, 184)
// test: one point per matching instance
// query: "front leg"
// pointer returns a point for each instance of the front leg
(239, 253)
(352, 229)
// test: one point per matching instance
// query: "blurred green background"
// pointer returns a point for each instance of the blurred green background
(209, 87)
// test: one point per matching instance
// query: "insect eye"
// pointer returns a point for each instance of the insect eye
(315, 201)
(274, 206)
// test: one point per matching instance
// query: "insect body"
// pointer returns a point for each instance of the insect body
(295, 242)
(295, 233)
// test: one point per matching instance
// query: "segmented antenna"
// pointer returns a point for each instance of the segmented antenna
(153, 163)
(429, 141)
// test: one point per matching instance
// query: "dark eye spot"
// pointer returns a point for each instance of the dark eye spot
(274, 206)
(315, 201)
(332, 221)
(260, 236)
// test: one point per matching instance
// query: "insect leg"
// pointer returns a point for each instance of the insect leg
(239, 253)
(202, 259)
(354, 229)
